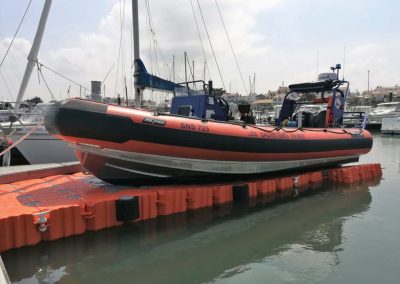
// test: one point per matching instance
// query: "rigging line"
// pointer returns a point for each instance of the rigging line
(131, 60)
(148, 26)
(230, 43)
(159, 50)
(154, 39)
(15, 34)
(209, 40)
(168, 68)
(17, 76)
(108, 73)
(39, 67)
(120, 46)
(157, 47)
(190, 70)
(123, 71)
(151, 38)
(157, 61)
(7, 87)
(201, 41)
(62, 76)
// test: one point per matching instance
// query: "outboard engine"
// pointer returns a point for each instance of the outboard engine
(246, 115)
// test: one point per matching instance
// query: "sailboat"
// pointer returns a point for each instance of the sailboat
(24, 139)
(197, 139)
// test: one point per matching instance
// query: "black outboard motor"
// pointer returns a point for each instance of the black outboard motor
(246, 115)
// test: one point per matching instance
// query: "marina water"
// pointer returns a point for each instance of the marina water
(345, 234)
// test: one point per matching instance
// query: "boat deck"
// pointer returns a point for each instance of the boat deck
(24, 172)
(36, 206)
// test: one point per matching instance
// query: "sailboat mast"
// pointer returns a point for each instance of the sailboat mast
(136, 48)
(33, 54)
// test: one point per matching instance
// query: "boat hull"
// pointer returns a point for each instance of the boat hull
(122, 167)
(116, 143)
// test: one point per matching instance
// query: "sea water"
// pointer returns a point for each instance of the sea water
(342, 234)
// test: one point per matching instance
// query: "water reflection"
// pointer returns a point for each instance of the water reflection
(311, 255)
(386, 150)
(205, 246)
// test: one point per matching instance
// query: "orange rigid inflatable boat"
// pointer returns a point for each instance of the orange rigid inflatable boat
(119, 144)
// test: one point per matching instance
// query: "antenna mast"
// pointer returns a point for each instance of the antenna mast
(344, 60)
(317, 63)
(254, 83)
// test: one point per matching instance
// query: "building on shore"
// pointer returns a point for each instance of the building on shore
(278, 95)
(262, 105)
(259, 102)
(381, 94)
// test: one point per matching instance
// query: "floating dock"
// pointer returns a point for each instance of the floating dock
(47, 208)
(18, 173)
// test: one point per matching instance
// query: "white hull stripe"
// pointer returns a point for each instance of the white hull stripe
(208, 166)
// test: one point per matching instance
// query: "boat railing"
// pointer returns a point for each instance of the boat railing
(28, 114)
(354, 118)
(16, 122)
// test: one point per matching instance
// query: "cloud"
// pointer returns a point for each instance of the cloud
(273, 57)
(377, 57)
(90, 55)
(13, 67)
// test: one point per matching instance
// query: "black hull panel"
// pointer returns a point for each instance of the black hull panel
(91, 121)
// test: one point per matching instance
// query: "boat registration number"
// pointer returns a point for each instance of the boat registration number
(194, 127)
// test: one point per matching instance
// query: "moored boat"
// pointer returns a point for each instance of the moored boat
(391, 125)
(382, 111)
(33, 144)
(121, 144)
(199, 137)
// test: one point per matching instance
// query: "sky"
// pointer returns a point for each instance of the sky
(281, 41)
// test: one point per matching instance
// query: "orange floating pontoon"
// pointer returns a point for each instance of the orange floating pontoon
(46, 209)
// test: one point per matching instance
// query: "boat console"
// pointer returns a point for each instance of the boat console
(315, 104)
(204, 105)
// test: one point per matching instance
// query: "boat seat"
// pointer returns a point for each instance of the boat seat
(185, 110)
(307, 118)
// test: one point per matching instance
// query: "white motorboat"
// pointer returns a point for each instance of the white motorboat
(383, 110)
(38, 146)
(5, 111)
(4, 115)
(391, 125)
